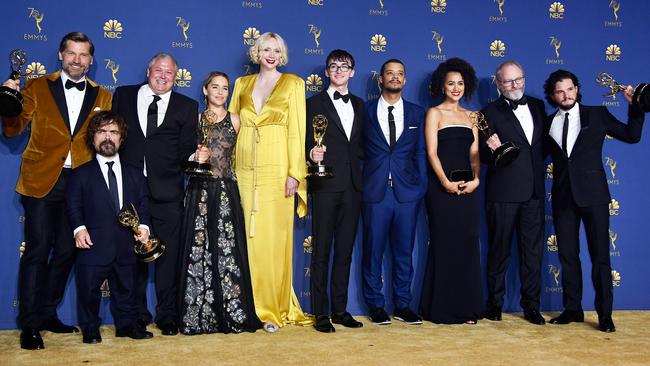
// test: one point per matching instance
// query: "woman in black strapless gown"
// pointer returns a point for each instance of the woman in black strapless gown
(452, 287)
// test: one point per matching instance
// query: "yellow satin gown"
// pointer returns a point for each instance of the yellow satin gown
(271, 147)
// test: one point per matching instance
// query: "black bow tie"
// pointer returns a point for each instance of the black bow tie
(516, 103)
(345, 97)
(71, 84)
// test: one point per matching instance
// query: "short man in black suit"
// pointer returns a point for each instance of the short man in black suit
(336, 201)
(95, 194)
(162, 135)
(515, 192)
(575, 135)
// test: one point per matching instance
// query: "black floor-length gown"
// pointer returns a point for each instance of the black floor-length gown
(215, 285)
(452, 289)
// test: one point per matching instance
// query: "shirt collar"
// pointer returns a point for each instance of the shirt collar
(573, 112)
(65, 77)
(148, 92)
(331, 90)
(384, 104)
(102, 160)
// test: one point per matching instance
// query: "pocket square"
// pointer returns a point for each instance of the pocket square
(412, 127)
(97, 109)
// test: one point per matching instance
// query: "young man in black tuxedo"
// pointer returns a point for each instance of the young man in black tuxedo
(514, 193)
(574, 137)
(336, 201)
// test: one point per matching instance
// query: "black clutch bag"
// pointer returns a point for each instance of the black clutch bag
(461, 175)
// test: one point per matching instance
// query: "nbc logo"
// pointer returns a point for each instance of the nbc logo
(438, 6)
(497, 48)
(314, 83)
(613, 53)
(549, 171)
(183, 78)
(113, 29)
(316, 2)
(250, 35)
(34, 70)
(614, 208)
(616, 278)
(556, 11)
(378, 43)
(306, 245)
(551, 243)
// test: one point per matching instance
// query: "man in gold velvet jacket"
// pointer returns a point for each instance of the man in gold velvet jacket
(58, 107)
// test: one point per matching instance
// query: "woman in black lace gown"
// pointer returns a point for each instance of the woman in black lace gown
(452, 288)
(216, 294)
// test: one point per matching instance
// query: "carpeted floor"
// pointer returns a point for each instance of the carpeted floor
(512, 341)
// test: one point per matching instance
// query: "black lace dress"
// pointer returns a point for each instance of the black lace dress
(215, 285)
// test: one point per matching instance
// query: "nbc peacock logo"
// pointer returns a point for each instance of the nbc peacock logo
(497, 48)
(378, 43)
(551, 243)
(613, 53)
(34, 70)
(616, 278)
(250, 35)
(549, 171)
(314, 83)
(183, 78)
(306, 245)
(438, 6)
(556, 10)
(113, 29)
(614, 208)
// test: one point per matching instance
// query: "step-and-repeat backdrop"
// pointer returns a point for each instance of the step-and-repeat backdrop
(585, 37)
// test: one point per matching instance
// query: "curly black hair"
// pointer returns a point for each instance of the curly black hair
(458, 65)
(559, 75)
(101, 119)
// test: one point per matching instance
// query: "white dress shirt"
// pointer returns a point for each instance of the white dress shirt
(344, 110)
(382, 117)
(145, 97)
(526, 121)
(574, 127)
(74, 99)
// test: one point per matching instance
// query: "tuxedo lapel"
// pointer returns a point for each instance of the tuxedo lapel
(56, 89)
(372, 116)
(512, 119)
(331, 111)
(89, 100)
(357, 106)
(584, 125)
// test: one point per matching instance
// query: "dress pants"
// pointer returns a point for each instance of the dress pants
(120, 281)
(166, 219)
(567, 217)
(503, 219)
(42, 277)
(388, 222)
(335, 215)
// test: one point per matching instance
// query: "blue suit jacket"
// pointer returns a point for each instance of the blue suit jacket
(88, 203)
(406, 161)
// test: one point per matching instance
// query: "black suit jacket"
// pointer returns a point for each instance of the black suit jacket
(88, 202)
(522, 179)
(581, 176)
(167, 150)
(343, 156)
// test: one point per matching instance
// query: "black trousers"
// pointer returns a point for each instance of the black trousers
(566, 218)
(48, 257)
(120, 281)
(503, 219)
(166, 219)
(335, 215)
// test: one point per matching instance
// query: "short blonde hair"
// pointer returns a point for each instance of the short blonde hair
(256, 49)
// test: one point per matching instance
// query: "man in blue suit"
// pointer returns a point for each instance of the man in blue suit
(394, 182)
(95, 193)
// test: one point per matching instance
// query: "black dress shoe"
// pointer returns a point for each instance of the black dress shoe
(323, 324)
(606, 325)
(92, 337)
(168, 328)
(407, 316)
(55, 325)
(30, 338)
(569, 316)
(493, 314)
(134, 332)
(533, 316)
(346, 320)
(379, 316)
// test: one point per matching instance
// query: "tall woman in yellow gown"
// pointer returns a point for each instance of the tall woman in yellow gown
(270, 168)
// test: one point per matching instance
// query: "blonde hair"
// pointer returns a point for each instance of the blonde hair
(256, 49)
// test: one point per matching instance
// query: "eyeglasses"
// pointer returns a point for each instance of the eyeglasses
(335, 67)
(518, 81)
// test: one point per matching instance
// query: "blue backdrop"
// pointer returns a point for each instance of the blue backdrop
(582, 36)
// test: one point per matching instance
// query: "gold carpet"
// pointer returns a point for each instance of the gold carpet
(512, 341)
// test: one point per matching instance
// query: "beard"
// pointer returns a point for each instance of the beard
(391, 89)
(513, 94)
(568, 107)
(107, 148)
